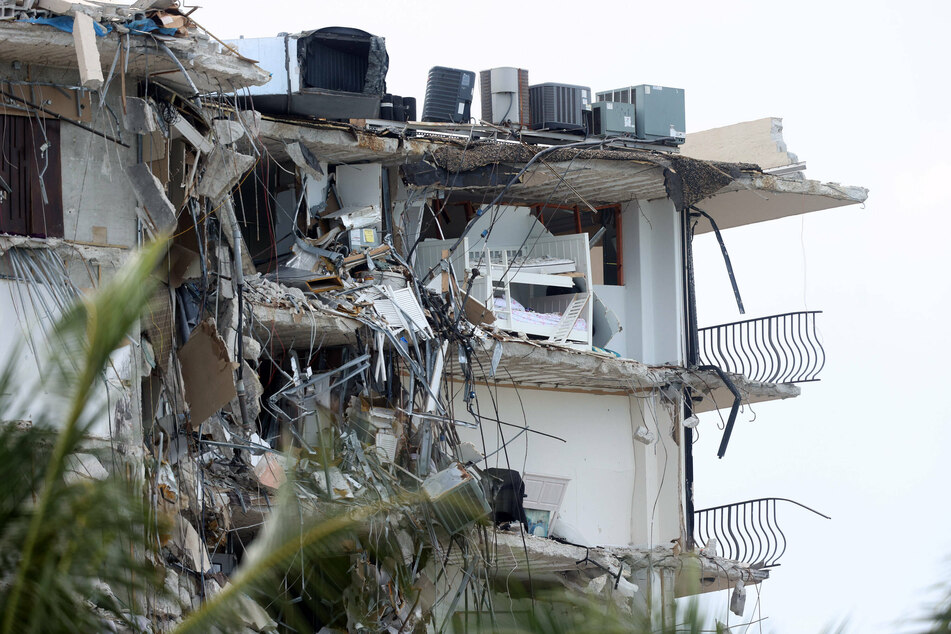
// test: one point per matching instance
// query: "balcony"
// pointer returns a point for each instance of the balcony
(747, 532)
(778, 349)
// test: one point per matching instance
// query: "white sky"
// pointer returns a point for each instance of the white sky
(863, 89)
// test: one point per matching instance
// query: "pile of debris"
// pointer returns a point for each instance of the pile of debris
(330, 373)
(161, 17)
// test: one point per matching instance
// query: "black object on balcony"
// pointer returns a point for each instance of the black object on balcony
(746, 531)
(778, 349)
(505, 492)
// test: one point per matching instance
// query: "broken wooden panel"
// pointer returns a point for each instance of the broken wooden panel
(71, 103)
(207, 371)
(30, 165)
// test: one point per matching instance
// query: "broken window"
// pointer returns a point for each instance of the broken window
(31, 201)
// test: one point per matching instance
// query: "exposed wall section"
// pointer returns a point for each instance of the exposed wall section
(657, 519)
(760, 142)
(597, 457)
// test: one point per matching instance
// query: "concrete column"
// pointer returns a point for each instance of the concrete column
(656, 509)
(653, 281)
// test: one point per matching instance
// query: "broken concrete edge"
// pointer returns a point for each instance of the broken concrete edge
(759, 141)
(112, 255)
(288, 327)
(592, 365)
(293, 327)
(211, 71)
(547, 555)
(766, 183)
(707, 382)
(342, 142)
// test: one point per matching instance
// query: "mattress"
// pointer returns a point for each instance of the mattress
(522, 315)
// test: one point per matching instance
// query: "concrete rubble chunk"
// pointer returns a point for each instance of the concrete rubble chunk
(738, 599)
(252, 121)
(254, 391)
(643, 435)
(159, 210)
(87, 52)
(254, 616)
(193, 136)
(83, 467)
(187, 545)
(227, 132)
(223, 169)
(305, 160)
(252, 349)
(270, 470)
(71, 7)
(339, 488)
(139, 118)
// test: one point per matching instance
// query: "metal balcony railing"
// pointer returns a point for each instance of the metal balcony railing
(746, 531)
(778, 349)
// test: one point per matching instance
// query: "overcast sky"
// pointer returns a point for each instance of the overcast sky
(864, 93)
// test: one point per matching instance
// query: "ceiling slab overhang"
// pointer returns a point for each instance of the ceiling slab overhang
(753, 198)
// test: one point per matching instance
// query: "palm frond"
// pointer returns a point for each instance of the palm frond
(63, 538)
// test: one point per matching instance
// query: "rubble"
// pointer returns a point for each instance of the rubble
(302, 347)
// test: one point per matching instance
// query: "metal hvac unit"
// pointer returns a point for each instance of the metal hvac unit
(396, 108)
(448, 95)
(559, 106)
(658, 111)
(505, 96)
(456, 498)
(610, 118)
(332, 73)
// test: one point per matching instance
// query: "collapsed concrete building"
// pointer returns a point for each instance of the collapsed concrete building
(498, 321)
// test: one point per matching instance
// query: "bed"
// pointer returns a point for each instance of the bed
(539, 288)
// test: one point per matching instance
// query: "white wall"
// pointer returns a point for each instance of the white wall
(658, 476)
(27, 313)
(598, 456)
(512, 225)
(620, 491)
(652, 276)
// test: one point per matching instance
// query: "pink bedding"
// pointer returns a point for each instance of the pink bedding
(526, 316)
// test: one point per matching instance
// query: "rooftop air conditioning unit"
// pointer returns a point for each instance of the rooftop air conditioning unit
(396, 108)
(505, 96)
(448, 95)
(559, 106)
(333, 73)
(612, 118)
(658, 111)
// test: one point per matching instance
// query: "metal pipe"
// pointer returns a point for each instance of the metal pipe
(737, 399)
(692, 349)
(60, 117)
(726, 257)
(238, 277)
